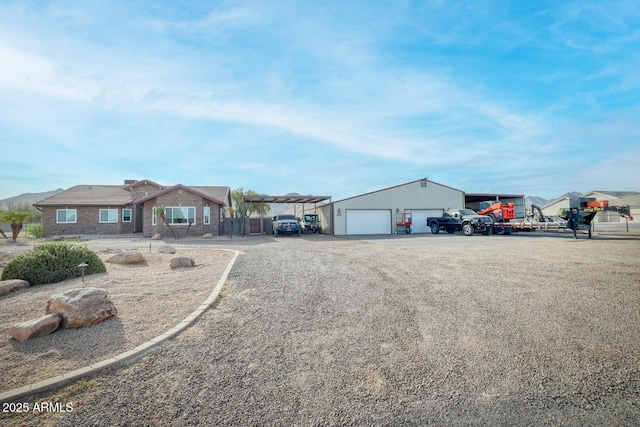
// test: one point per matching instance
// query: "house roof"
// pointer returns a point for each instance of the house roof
(118, 195)
(213, 194)
(221, 193)
(142, 182)
(89, 195)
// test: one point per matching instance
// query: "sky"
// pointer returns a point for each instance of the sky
(334, 98)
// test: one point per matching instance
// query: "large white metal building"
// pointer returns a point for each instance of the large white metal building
(379, 211)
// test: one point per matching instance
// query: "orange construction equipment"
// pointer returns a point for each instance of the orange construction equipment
(597, 204)
(499, 211)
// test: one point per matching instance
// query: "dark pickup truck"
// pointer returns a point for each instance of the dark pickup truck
(466, 220)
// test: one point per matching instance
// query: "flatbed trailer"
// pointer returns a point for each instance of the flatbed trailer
(582, 211)
(514, 226)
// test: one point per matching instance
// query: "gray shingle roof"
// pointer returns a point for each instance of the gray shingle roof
(206, 192)
(89, 195)
(117, 195)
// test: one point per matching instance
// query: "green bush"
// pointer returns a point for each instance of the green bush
(51, 263)
(34, 230)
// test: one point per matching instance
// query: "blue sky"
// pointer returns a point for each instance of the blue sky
(327, 98)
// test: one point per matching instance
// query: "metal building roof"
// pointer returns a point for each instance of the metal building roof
(263, 198)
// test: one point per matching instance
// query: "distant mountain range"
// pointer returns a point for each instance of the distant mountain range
(29, 198)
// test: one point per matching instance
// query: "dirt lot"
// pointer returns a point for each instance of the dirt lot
(318, 330)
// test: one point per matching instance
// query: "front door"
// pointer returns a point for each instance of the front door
(137, 227)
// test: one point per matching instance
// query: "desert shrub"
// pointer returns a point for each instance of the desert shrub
(51, 263)
(34, 230)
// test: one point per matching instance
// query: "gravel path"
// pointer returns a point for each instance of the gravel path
(441, 329)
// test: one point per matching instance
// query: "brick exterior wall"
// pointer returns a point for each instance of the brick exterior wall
(88, 217)
(142, 190)
(87, 221)
(180, 198)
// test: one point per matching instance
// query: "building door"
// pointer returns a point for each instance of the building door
(139, 217)
(254, 225)
(369, 221)
(419, 218)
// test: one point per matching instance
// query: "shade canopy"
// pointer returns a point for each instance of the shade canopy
(262, 198)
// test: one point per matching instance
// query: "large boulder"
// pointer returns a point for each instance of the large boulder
(182, 261)
(126, 257)
(82, 307)
(12, 285)
(166, 249)
(35, 328)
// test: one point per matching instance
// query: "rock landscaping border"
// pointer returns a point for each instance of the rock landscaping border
(127, 356)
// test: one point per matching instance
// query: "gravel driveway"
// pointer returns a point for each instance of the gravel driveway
(440, 329)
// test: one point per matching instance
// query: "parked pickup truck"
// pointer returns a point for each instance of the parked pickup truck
(466, 220)
(285, 224)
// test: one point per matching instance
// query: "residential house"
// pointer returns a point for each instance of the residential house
(132, 208)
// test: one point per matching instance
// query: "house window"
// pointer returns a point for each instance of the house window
(180, 215)
(126, 215)
(206, 215)
(154, 216)
(108, 215)
(66, 216)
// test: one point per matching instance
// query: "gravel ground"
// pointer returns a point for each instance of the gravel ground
(445, 330)
(150, 298)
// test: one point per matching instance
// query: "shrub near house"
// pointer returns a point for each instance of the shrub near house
(51, 263)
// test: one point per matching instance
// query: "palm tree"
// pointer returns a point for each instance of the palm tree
(16, 219)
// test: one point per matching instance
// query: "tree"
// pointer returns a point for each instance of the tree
(158, 210)
(16, 219)
(245, 210)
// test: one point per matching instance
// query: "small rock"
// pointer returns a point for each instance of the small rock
(126, 257)
(10, 240)
(12, 285)
(166, 249)
(82, 307)
(182, 262)
(156, 237)
(207, 236)
(35, 328)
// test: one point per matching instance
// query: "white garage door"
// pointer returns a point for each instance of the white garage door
(375, 221)
(419, 218)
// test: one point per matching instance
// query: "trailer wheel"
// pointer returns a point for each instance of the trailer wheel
(467, 229)
(488, 231)
(435, 229)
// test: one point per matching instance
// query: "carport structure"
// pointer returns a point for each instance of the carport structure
(263, 198)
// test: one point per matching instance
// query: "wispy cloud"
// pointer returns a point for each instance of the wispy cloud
(471, 93)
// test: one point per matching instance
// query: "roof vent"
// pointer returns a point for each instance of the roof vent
(129, 181)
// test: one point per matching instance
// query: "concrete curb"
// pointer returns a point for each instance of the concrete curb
(127, 356)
